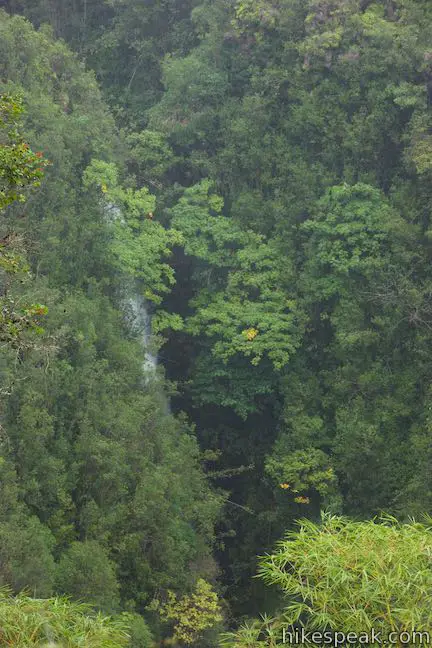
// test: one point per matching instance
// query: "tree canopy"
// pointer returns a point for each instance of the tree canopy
(253, 181)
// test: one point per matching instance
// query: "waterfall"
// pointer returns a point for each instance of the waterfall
(135, 306)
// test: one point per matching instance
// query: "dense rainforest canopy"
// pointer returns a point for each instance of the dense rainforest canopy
(258, 173)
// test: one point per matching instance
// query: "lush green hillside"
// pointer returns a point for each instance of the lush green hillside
(272, 160)
(103, 495)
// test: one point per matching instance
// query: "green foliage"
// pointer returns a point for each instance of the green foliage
(300, 472)
(347, 576)
(140, 635)
(270, 193)
(26, 622)
(139, 243)
(25, 553)
(243, 314)
(420, 152)
(297, 173)
(305, 216)
(195, 88)
(125, 42)
(85, 573)
(193, 614)
(351, 235)
(149, 157)
(262, 16)
(20, 168)
(89, 506)
(229, 384)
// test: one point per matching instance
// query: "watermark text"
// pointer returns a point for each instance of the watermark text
(337, 639)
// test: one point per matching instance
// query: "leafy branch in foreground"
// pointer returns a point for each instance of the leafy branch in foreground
(20, 169)
(347, 576)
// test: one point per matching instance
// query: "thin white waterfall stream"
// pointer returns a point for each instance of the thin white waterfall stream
(135, 307)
